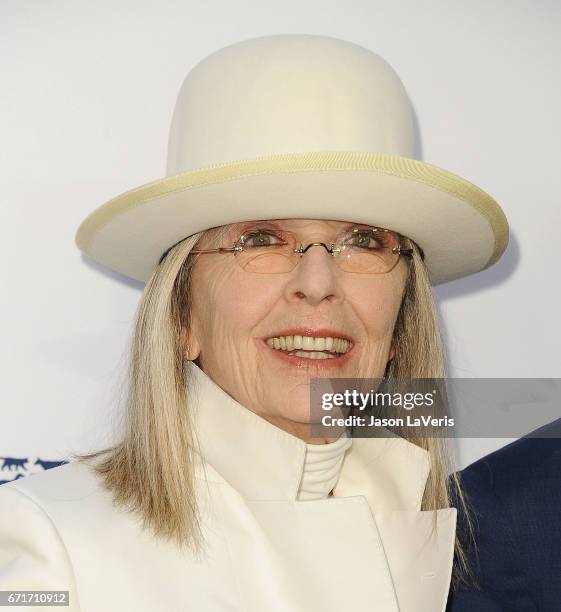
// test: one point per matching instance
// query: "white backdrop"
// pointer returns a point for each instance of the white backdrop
(87, 93)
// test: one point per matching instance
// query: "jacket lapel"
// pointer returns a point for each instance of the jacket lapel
(419, 545)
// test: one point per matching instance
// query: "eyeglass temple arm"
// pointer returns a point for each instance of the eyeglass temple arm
(409, 252)
(402, 251)
(218, 250)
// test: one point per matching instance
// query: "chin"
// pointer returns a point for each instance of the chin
(300, 418)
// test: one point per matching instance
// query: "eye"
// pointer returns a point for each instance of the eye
(263, 238)
(370, 239)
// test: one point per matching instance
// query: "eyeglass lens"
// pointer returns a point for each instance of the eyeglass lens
(359, 250)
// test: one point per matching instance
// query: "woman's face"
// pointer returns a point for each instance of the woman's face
(235, 312)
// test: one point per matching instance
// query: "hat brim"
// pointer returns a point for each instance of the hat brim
(461, 229)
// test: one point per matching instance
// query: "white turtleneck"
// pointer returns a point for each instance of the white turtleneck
(322, 466)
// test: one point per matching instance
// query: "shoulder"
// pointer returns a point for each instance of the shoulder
(61, 501)
(60, 530)
(33, 552)
(514, 496)
(25, 503)
(70, 479)
(71, 496)
(72, 484)
(524, 469)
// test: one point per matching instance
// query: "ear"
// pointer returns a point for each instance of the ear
(190, 344)
(392, 352)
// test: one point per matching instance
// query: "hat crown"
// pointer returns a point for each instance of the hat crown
(288, 93)
(296, 126)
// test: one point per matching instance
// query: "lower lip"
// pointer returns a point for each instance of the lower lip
(321, 364)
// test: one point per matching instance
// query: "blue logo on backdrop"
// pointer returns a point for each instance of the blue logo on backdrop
(12, 468)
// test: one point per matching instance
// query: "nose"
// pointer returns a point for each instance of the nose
(315, 278)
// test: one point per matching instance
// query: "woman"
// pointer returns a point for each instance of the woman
(295, 237)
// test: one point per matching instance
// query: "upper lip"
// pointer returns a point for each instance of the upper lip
(306, 331)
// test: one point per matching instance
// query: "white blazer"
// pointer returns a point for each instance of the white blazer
(271, 546)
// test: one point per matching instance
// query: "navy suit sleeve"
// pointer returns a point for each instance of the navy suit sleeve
(515, 495)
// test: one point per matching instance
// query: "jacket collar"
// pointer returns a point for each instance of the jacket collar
(264, 462)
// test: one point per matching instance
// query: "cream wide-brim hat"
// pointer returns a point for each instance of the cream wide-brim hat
(296, 126)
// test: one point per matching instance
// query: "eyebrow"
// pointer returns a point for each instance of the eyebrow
(237, 229)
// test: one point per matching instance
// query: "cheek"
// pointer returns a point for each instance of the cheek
(379, 307)
(230, 302)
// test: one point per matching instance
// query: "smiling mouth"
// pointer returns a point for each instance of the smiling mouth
(311, 347)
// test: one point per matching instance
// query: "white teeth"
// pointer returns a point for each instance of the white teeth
(298, 345)
(308, 343)
(319, 344)
(318, 355)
